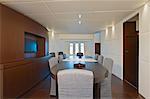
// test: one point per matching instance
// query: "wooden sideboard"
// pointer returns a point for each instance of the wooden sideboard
(19, 77)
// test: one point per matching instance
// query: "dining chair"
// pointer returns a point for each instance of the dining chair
(96, 56)
(108, 64)
(106, 83)
(60, 58)
(65, 56)
(100, 59)
(60, 53)
(79, 54)
(52, 54)
(75, 84)
(52, 62)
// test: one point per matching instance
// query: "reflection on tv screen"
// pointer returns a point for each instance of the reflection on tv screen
(30, 46)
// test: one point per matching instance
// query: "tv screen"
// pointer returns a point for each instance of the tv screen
(30, 46)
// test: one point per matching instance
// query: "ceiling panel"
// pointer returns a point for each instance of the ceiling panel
(89, 6)
(20, 1)
(62, 15)
(93, 16)
(29, 7)
(45, 20)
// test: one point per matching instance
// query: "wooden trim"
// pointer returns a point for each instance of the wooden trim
(1, 82)
(130, 84)
(117, 77)
(142, 96)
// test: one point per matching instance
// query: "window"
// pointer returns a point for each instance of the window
(82, 48)
(76, 47)
(71, 48)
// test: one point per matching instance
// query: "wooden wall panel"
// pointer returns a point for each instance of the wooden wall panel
(41, 48)
(14, 25)
(0, 35)
(1, 81)
(19, 74)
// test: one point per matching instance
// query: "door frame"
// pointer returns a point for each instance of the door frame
(99, 48)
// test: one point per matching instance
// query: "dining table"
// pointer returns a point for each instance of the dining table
(99, 71)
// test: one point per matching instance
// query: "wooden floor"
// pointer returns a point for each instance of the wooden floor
(120, 90)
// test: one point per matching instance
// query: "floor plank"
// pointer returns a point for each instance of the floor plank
(120, 90)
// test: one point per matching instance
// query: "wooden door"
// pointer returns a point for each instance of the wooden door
(97, 48)
(131, 53)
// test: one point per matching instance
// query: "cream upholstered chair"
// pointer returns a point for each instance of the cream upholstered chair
(100, 59)
(75, 84)
(108, 64)
(52, 62)
(60, 58)
(106, 83)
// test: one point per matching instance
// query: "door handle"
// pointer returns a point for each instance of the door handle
(126, 51)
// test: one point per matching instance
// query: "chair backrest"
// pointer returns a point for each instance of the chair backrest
(60, 53)
(64, 56)
(52, 54)
(100, 59)
(53, 61)
(108, 63)
(75, 84)
(60, 58)
(79, 54)
(96, 56)
(106, 89)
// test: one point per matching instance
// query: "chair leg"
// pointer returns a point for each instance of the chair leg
(97, 91)
(53, 87)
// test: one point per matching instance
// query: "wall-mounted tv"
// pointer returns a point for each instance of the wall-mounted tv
(30, 46)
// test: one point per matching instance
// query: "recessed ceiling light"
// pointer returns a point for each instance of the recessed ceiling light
(79, 15)
(79, 22)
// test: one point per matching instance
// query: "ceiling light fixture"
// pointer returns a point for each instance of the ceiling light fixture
(79, 22)
(80, 16)
(48, 29)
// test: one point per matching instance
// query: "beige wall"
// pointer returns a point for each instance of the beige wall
(112, 46)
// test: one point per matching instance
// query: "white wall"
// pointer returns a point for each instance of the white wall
(144, 51)
(97, 37)
(60, 42)
(112, 46)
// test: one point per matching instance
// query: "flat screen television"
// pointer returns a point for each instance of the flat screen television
(30, 46)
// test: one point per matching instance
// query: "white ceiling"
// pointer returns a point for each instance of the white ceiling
(62, 15)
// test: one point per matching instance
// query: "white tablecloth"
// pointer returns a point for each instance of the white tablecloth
(76, 59)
